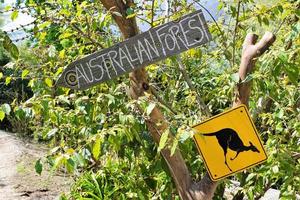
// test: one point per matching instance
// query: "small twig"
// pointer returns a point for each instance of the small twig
(160, 100)
(168, 10)
(88, 26)
(85, 35)
(152, 12)
(296, 156)
(279, 27)
(215, 21)
(144, 20)
(235, 32)
(187, 79)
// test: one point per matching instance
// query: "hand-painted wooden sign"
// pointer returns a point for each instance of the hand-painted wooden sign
(229, 143)
(146, 48)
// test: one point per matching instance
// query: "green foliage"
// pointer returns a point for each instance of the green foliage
(100, 136)
(9, 46)
(4, 59)
(131, 178)
(38, 167)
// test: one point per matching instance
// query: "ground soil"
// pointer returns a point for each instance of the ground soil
(18, 179)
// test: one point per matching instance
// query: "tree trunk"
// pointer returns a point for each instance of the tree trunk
(186, 187)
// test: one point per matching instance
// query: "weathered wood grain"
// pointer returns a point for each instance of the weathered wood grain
(144, 49)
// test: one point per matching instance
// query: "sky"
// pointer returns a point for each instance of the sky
(24, 19)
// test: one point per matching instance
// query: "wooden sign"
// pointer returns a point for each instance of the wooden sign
(139, 51)
(229, 143)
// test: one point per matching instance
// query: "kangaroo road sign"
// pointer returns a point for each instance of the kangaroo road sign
(144, 49)
(229, 143)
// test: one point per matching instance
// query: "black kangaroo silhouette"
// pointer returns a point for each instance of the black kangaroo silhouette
(228, 138)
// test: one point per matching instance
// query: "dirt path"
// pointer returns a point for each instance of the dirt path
(18, 179)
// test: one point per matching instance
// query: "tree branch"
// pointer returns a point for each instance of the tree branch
(156, 123)
(251, 51)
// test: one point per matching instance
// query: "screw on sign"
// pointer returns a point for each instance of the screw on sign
(139, 51)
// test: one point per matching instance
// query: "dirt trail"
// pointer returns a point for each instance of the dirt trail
(18, 179)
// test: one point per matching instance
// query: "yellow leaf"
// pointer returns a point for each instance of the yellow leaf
(131, 16)
(65, 35)
(62, 54)
(97, 148)
(7, 80)
(43, 35)
(24, 73)
(2, 115)
(49, 82)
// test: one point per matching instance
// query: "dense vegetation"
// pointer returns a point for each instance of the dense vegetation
(100, 137)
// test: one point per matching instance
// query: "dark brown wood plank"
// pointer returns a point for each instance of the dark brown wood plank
(144, 49)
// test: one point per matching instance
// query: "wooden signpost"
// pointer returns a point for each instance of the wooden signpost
(229, 143)
(144, 49)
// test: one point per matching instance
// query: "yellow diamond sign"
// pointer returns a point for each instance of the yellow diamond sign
(229, 143)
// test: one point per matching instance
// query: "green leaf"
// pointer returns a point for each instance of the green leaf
(248, 78)
(14, 51)
(130, 13)
(70, 164)
(220, 6)
(250, 176)
(1, 75)
(275, 169)
(131, 16)
(2, 115)
(150, 108)
(235, 77)
(96, 148)
(184, 135)
(163, 140)
(280, 8)
(174, 147)
(25, 72)
(38, 167)
(7, 8)
(7, 80)
(14, 15)
(6, 108)
(6, 43)
(48, 82)
(51, 132)
(266, 21)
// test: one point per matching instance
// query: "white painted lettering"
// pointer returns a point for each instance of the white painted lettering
(79, 75)
(89, 77)
(177, 34)
(151, 46)
(171, 41)
(136, 53)
(103, 63)
(113, 60)
(142, 50)
(159, 35)
(202, 25)
(122, 56)
(98, 69)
